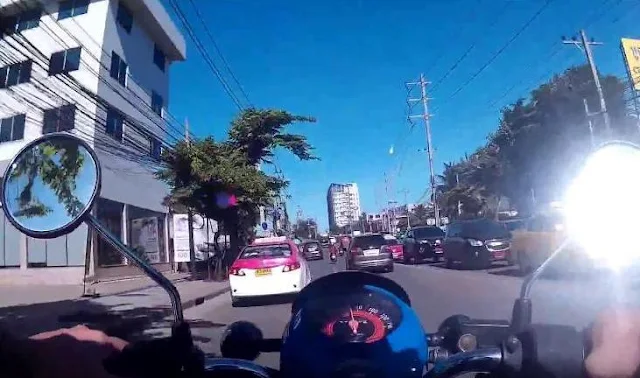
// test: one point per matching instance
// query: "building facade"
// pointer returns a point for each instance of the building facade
(98, 69)
(343, 204)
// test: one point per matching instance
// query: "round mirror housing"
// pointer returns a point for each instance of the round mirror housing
(241, 340)
(50, 185)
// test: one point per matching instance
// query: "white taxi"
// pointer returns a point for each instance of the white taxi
(269, 266)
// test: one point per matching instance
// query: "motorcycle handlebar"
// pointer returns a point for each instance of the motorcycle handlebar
(486, 359)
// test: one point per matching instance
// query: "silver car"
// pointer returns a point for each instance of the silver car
(369, 252)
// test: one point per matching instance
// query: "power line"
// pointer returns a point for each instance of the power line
(499, 52)
(473, 44)
(212, 66)
(217, 48)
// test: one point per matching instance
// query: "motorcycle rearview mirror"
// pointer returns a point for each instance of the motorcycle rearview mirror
(241, 340)
(49, 189)
(611, 175)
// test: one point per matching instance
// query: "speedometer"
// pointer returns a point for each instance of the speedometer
(368, 318)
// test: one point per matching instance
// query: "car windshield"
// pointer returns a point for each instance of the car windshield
(311, 246)
(485, 229)
(266, 251)
(369, 241)
(428, 232)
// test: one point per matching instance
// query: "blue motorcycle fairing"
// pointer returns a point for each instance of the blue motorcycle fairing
(307, 352)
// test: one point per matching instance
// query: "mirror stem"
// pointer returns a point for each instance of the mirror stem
(156, 276)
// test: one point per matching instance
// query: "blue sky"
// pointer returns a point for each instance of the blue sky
(345, 63)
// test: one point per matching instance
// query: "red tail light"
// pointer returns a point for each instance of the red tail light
(357, 251)
(236, 272)
(290, 267)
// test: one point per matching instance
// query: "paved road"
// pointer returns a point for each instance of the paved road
(436, 293)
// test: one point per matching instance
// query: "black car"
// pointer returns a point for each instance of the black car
(422, 243)
(369, 252)
(476, 243)
(312, 250)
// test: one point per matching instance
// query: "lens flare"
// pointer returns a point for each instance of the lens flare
(602, 205)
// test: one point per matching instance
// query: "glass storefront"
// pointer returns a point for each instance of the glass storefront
(109, 213)
(146, 233)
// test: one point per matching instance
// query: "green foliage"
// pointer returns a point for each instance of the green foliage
(539, 144)
(197, 171)
(306, 228)
(57, 167)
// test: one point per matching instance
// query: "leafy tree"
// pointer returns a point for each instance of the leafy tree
(306, 228)
(419, 215)
(536, 149)
(199, 172)
(57, 166)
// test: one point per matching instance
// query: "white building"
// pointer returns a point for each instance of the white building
(343, 204)
(100, 70)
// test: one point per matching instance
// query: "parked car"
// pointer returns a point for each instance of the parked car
(395, 246)
(477, 243)
(312, 250)
(369, 252)
(423, 243)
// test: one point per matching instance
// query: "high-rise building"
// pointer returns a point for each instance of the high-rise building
(98, 69)
(343, 204)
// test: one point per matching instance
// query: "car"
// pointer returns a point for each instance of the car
(395, 246)
(324, 241)
(476, 243)
(369, 252)
(269, 266)
(312, 250)
(423, 243)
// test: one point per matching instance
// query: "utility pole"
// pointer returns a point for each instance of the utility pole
(459, 203)
(192, 248)
(406, 203)
(585, 45)
(392, 225)
(386, 192)
(589, 115)
(425, 116)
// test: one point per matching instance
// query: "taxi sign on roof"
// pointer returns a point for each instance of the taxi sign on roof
(273, 239)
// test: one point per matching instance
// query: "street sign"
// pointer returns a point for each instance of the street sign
(265, 226)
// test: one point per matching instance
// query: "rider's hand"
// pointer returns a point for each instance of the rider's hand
(72, 352)
(616, 345)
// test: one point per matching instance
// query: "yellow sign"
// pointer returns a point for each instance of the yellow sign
(631, 51)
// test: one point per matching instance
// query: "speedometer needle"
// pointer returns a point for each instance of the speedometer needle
(353, 323)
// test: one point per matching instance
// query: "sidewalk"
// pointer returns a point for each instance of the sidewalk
(124, 308)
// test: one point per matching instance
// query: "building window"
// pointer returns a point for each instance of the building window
(118, 69)
(156, 103)
(156, 148)
(71, 8)
(64, 61)
(12, 128)
(28, 20)
(115, 122)
(124, 17)
(59, 119)
(15, 74)
(159, 58)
